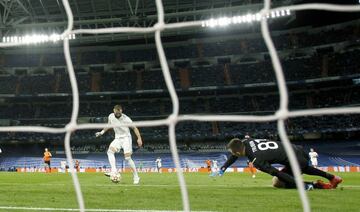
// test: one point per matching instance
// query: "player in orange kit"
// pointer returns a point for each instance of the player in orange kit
(47, 159)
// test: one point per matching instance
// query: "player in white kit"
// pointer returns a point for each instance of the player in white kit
(122, 141)
(214, 166)
(158, 164)
(313, 157)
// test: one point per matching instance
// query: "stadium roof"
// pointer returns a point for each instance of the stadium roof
(19, 17)
(24, 17)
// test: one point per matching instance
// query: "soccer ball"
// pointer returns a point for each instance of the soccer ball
(115, 178)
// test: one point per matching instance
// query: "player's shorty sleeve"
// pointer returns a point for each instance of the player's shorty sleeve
(109, 119)
(229, 162)
(128, 119)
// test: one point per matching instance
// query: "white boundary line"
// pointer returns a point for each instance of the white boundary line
(159, 185)
(77, 209)
(172, 120)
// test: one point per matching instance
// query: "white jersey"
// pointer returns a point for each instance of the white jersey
(313, 155)
(215, 164)
(158, 162)
(120, 132)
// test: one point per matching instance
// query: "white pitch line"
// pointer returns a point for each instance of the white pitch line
(76, 209)
(153, 185)
(130, 185)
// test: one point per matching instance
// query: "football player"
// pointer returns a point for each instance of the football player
(263, 153)
(122, 141)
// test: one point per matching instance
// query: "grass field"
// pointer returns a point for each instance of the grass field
(232, 192)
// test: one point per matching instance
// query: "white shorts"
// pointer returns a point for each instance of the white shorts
(124, 143)
(314, 162)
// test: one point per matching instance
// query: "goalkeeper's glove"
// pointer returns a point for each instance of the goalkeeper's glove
(219, 173)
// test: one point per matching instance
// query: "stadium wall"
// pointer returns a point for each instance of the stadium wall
(171, 170)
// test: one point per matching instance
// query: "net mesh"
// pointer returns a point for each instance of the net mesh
(280, 116)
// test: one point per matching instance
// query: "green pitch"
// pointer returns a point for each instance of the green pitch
(232, 192)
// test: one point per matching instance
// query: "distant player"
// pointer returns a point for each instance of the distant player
(47, 159)
(63, 166)
(122, 141)
(208, 165)
(263, 153)
(252, 168)
(214, 165)
(158, 164)
(77, 166)
(250, 163)
(313, 157)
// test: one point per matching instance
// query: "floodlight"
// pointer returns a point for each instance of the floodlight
(39, 38)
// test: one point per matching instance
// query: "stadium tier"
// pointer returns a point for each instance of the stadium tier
(313, 66)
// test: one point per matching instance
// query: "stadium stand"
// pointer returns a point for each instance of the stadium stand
(227, 75)
(296, 69)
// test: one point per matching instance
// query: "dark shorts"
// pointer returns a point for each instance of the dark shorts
(47, 162)
(302, 158)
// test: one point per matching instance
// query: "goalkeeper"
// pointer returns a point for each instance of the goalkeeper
(263, 153)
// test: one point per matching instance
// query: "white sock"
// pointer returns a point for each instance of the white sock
(132, 166)
(112, 161)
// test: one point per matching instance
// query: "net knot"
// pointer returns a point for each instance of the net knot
(282, 114)
(159, 26)
(264, 12)
(172, 118)
(71, 127)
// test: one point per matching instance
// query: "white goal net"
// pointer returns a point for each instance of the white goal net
(280, 116)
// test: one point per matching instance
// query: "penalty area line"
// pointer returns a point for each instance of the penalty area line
(76, 209)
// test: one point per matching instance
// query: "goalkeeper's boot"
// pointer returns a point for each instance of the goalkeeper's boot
(321, 185)
(107, 174)
(335, 181)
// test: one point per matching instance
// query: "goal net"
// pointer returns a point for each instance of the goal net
(171, 121)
